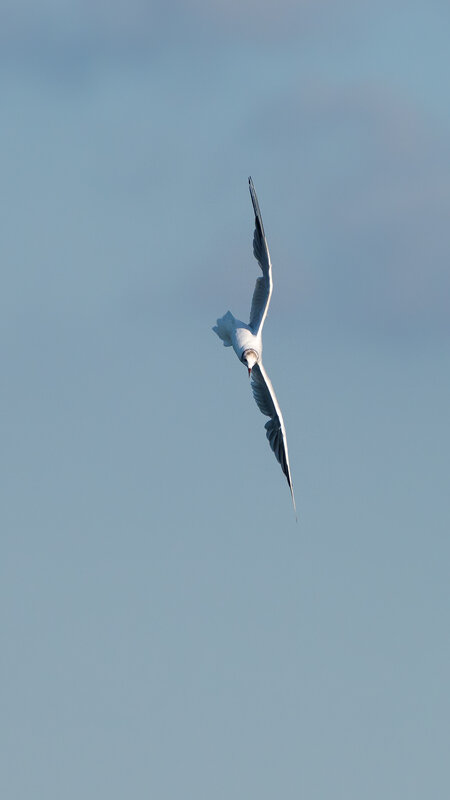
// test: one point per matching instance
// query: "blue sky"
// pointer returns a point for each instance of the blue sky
(169, 630)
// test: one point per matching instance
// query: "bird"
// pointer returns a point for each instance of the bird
(246, 340)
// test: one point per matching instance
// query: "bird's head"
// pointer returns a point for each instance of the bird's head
(249, 358)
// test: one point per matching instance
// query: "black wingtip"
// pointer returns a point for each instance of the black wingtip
(256, 209)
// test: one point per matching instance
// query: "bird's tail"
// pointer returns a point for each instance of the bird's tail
(224, 328)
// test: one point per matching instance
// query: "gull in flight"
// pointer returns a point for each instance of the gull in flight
(246, 340)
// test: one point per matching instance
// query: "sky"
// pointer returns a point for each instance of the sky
(168, 629)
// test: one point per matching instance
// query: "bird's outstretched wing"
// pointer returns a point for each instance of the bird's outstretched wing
(275, 431)
(263, 287)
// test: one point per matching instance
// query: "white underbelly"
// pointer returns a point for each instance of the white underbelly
(243, 339)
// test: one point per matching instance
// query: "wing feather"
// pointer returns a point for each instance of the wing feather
(263, 288)
(267, 403)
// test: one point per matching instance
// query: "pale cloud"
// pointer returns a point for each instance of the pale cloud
(354, 164)
(126, 22)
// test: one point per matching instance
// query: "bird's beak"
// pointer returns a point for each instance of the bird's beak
(249, 371)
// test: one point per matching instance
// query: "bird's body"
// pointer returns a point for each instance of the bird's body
(246, 340)
(238, 335)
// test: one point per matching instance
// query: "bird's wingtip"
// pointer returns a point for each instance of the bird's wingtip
(293, 501)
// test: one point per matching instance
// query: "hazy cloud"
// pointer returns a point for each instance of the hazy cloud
(351, 163)
(125, 24)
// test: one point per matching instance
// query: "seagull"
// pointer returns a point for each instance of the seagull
(246, 340)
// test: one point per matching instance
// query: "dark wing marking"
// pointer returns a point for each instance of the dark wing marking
(264, 285)
(275, 431)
